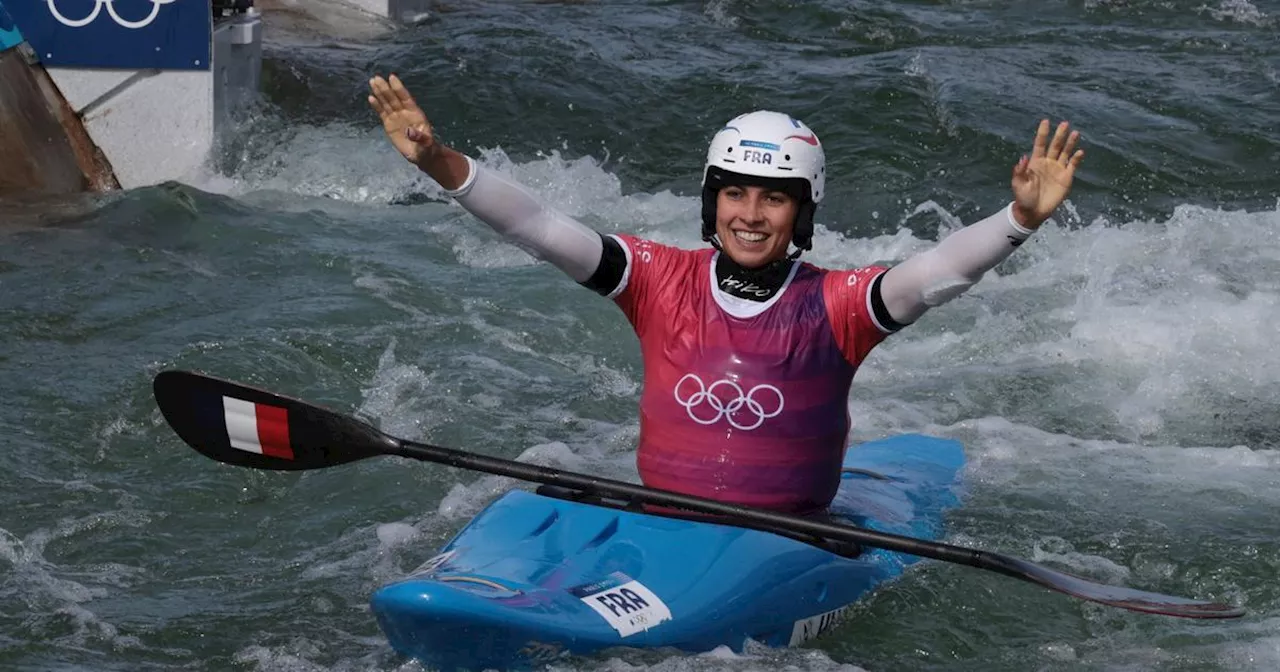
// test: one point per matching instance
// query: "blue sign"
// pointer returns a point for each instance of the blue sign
(9, 35)
(129, 34)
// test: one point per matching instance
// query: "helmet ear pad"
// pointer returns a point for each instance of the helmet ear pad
(718, 178)
(802, 233)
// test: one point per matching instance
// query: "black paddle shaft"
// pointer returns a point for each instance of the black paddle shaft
(761, 519)
(250, 427)
(617, 489)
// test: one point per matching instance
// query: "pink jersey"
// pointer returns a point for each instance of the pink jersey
(750, 410)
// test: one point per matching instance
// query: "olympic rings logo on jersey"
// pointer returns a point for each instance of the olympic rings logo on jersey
(735, 402)
(111, 9)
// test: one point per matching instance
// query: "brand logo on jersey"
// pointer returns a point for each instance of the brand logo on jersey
(856, 276)
(726, 400)
(644, 249)
(733, 284)
(758, 157)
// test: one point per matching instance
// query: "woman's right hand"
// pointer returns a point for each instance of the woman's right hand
(405, 123)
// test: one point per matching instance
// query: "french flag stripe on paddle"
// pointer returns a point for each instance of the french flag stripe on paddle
(257, 428)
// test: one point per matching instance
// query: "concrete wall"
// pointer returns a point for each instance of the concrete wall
(154, 126)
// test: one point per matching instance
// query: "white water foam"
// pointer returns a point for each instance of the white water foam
(300, 160)
(407, 403)
(720, 12)
(55, 604)
(1082, 564)
(756, 658)
(1239, 11)
(301, 654)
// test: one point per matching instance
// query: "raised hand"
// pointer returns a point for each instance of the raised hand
(405, 123)
(1042, 181)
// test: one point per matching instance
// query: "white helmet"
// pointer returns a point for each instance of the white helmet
(767, 149)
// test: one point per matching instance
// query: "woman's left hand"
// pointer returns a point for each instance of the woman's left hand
(1042, 181)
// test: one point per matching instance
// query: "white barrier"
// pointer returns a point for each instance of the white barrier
(155, 126)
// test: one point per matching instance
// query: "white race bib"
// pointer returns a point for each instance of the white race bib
(624, 603)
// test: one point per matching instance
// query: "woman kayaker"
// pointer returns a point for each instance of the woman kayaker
(748, 353)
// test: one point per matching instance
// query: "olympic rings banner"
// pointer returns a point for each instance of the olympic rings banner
(9, 35)
(127, 34)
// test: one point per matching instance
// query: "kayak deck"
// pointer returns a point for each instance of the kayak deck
(534, 577)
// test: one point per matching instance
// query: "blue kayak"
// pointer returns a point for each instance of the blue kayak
(535, 577)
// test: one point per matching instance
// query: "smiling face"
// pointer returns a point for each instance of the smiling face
(755, 224)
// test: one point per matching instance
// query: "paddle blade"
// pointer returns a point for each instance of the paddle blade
(1115, 596)
(249, 427)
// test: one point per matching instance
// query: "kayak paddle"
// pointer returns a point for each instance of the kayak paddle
(249, 427)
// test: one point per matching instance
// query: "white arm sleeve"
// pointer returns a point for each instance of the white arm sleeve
(538, 229)
(932, 278)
